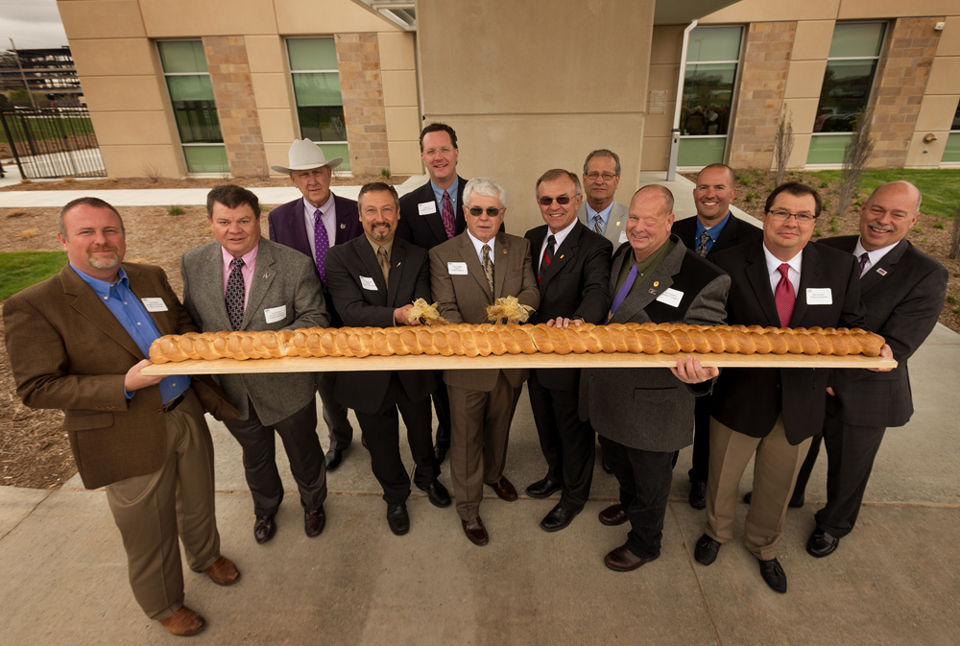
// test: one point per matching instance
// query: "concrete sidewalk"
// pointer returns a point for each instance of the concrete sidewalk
(894, 580)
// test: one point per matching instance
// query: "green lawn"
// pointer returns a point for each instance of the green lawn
(20, 269)
(43, 128)
(940, 188)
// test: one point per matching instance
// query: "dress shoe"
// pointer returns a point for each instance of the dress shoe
(821, 544)
(314, 522)
(773, 574)
(398, 519)
(441, 453)
(623, 560)
(543, 488)
(475, 531)
(698, 495)
(333, 459)
(706, 550)
(436, 493)
(613, 515)
(558, 518)
(504, 489)
(796, 502)
(223, 571)
(264, 528)
(183, 623)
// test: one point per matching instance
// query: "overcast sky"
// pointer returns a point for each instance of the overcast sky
(33, 24)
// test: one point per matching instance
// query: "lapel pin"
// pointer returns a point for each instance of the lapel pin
(266, 275)
(656, 283)
(618, 224)
(398, 264)
(881, 271)
(653, 291)
(504, 251)
(343, 226)
(561, 256)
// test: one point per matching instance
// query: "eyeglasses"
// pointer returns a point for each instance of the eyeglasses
(594, 176)
(781, 215)
(435, 151)
(563, 200)
(492, 212)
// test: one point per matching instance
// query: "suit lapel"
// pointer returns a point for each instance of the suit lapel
(435, 220)
(646, 291)
(812, 270)
(86, 302)
(562, 254)
(264, 273)
(370, 263)
(397, 256)
(756, 271)
(211, 290)
(469, 255)
(887, 265)
(141, 287)
(500, 269)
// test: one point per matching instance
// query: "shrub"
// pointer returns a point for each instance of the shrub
(175, 209)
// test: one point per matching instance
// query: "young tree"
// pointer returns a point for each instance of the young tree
(855, 158)
(783, 143)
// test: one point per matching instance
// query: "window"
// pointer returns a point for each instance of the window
(194, 108)
(316, 87)
(951, 152)
(713, 56)
(851, 66)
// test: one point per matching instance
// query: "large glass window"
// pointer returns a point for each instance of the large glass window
(194, 108)
(713, 56)
(952, 151)
(316, 87)
(851, 67)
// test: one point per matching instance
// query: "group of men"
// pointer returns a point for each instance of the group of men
(332, 261)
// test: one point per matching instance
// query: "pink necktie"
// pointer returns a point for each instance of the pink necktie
(446, 212)
(784, 296)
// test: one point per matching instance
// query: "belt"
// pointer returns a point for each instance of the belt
(173, 403)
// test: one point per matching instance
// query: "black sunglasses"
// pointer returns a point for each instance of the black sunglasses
(491, 211)
(563, 200)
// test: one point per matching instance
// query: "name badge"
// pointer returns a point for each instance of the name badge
(819, 296)
(623, 237)
(427, 208)
(457, 268)
(670, 297)
(367, 283)
(154, 304)
(274, 314)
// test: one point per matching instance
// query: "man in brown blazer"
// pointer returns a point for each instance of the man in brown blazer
(468, 273)
(78, 342)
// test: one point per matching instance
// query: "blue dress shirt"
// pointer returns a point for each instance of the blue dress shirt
(714, 231)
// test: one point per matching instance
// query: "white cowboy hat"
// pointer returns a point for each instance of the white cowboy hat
(306, 155)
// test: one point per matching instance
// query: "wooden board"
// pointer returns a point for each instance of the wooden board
(538, 360)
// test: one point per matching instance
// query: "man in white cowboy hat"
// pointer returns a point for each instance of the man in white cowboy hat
(311, 225)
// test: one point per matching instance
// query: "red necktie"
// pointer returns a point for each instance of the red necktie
(446, 213)
(784, 296)
(547, 256)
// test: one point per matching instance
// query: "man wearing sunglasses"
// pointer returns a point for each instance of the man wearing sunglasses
(573, 269)
(600, 212)
(467, 274)
(779, 281)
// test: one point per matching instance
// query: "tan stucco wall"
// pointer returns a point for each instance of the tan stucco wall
(525, 94)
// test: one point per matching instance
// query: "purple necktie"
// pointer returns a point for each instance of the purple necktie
(321, 244)
(864, 258)
(622, 293)
(784, 296)
(446, 212)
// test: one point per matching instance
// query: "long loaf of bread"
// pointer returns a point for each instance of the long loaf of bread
(486, 339)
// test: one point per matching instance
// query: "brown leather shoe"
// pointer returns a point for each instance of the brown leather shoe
(184, 622)
(623, 560)
(475, 531)
(223, 572)
(504, 489)
(613, 515)
(314, 522)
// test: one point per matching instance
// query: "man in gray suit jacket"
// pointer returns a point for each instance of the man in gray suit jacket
(243, 282)
(599, 212)
(645, 415)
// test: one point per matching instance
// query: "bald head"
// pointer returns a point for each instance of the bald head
(650, 220)
(888, 214)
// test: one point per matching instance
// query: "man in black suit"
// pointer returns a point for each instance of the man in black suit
(374, 280)
(573, 269)
(714, 229)
(312, 225)
(903, 290)
(430, 215)
(780, 281)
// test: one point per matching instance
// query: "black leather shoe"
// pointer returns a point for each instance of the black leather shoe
(398, 519)
(314, 522)
(613, 515)
(821, 544)
(543, 488)
(623, 560)
(436, 493)
(706, 550)
(558, 518)
(773, 574)
(441, 453)
(504, 489)
(333, 459)
(475, 531)
(698, 495)
(264, 528)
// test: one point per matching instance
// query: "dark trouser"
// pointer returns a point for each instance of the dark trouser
(299, 436)
(334, 415)
(701, 440)
(566, 441)
(851, 450)
(441, 403)
(644, 478)
(807, 468)
(381, 437)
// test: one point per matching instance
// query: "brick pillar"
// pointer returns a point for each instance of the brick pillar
(762, 80)
(900, 84)
(236, 106)
(358, 58)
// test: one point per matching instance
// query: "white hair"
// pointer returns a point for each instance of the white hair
(486, 187)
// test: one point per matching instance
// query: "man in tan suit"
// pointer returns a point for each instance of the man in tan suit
(468, 273)
(78, 342)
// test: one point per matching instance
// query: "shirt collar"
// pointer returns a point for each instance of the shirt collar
(451, 190)
(562, 234)
(102, 287)
(715, 230)
(773, 263)
(604, 214)
(876, 255)
(249, 258)
(478, 245)
(310, 209)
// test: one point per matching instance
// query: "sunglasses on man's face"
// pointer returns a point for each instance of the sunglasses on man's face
(563, 200)
(491, 212)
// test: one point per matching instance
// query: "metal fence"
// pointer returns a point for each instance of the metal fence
(52, 142)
